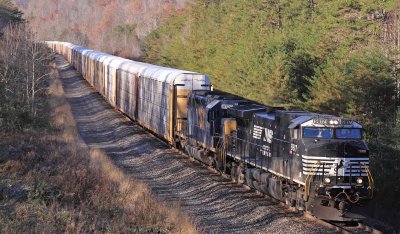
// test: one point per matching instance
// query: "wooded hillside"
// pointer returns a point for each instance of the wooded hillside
(114, 26)
(337, 57)
(328, 56)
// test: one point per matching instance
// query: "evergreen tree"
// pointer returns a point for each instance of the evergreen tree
(327, 90)
(372, 87)
(9, 14)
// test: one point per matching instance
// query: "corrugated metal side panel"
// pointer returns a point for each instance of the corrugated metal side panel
(126, 93)
(98, 77)
(84, 66)
(101, 78)
(78, 61)
(94, 69)
(110, 84)
(90, 64)
(65, 53)
(154, 110)
(87, 68)
(68, 52)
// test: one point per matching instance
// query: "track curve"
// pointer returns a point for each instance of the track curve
(214, 203)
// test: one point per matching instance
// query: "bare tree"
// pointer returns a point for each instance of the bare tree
(23, 72)
(92, 22)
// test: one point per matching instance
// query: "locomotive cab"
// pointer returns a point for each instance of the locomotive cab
(335, 162)
(331, 147)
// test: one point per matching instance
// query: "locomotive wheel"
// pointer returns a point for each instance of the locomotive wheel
(240, 176)
(300, 205)
(237, 174)
(217, 164)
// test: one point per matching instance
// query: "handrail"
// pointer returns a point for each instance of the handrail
(308, 181)
(371, 181)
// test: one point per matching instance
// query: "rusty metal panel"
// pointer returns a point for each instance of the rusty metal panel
(181, 103)
(230, 125)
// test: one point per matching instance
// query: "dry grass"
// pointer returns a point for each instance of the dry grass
(51, 182)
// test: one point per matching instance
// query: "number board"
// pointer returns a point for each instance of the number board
(332, 121)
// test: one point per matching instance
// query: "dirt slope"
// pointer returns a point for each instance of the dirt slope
(214, 203)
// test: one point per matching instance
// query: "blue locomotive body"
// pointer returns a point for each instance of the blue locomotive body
(314, 162)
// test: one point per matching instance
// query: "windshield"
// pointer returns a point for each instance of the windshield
(317, 132)
(348, 133)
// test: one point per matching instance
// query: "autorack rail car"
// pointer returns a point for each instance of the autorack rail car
(314, 162)
(158, 96)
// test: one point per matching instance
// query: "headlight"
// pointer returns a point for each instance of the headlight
(359, 180)
(327, 180)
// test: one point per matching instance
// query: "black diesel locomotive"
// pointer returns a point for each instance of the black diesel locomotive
(314, 162)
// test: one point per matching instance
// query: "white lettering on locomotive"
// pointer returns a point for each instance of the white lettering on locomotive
(266, 150)
(293, 150)
(226, 106)
(293, 147)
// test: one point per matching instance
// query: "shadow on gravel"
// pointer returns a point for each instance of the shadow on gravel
(214, 203)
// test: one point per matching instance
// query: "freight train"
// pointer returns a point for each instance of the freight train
(314, 162)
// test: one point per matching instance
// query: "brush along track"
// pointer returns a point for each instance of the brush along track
(214, 203)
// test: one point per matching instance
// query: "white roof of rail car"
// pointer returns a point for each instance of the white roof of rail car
(81, 49)
(70, 45)
(97, 55)
(170, 75)
(134, 67)
(114, 61)
(104, 57)
(86, 51)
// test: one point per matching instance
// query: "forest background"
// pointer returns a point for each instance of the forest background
(338, 57)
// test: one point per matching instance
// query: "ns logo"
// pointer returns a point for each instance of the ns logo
(268, 135)
(263, 133)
